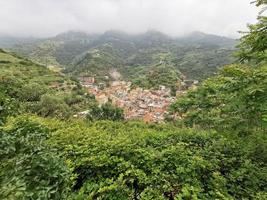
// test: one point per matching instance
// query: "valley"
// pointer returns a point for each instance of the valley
(148, 105)
(141, 74)
(137, 115)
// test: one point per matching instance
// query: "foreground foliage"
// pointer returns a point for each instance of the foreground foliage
(236, 99)
(29, 168)
(253, 45)
(132, 160)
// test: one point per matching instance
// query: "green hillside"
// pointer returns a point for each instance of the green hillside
(39, 90)
(195, 55)
(98, 62)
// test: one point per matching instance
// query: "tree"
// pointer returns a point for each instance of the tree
(105, 112)
(52, 106)
(253, 45)
(234, 99)
(32, 92)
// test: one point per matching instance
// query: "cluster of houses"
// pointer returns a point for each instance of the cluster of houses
(137, 103)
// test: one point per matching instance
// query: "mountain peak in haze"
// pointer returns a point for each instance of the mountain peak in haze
(156, 34)
(199, 34)
(204, 38)
(73, 35)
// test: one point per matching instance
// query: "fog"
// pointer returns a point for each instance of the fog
(45, 18)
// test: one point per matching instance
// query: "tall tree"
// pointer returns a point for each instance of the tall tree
(253, 45)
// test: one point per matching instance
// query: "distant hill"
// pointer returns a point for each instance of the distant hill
(8, 41)
(197, 55)
(98, 62)
(206, 39)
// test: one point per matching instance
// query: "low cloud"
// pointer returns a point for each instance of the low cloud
(44, 18)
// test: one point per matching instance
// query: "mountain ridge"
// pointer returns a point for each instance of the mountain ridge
(195, 55)
(75, 33)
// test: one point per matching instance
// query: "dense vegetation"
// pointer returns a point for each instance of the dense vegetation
(118, 160)
(235, 99)
(36, 89)
(105, 112)
(218, 150)
(99, 63)
(162, 73)
(30, 169)
(196, 55)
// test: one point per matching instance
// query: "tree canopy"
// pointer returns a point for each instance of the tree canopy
(253, 45)
(105, 112)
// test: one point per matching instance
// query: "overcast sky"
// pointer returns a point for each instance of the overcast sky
(43, 18)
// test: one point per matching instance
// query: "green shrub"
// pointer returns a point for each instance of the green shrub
(122, 160)
(52, 106)
(29, 169)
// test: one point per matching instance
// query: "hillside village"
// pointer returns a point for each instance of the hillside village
(137, 103)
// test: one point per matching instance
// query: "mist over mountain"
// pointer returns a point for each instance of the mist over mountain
(38, 18)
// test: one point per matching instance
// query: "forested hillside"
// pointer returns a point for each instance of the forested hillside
(35, 89)
(196, 55)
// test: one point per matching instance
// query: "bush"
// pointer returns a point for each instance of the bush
(122, 160)
(29, 169)
(8, 107)
(32, 92)
(52, 106)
